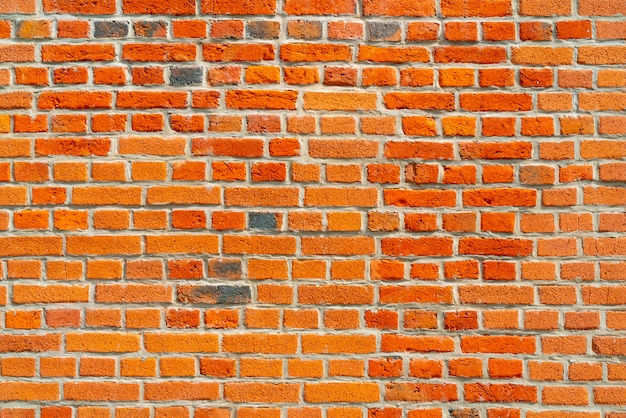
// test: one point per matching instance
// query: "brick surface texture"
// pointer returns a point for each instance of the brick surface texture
(312, 208)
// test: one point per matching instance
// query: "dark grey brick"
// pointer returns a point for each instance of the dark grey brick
(215, 294)
(383, 31)
(260, 220)
(185, 76)
(111, 29)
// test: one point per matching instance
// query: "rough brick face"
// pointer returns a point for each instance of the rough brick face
(312, 208)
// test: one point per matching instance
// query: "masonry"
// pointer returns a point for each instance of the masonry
(312, 208)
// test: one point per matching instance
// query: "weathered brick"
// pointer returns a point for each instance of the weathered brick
(215, 294)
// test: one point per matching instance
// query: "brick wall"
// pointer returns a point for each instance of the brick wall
(312, 208)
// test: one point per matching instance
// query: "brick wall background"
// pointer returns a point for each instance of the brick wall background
(312, 209)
